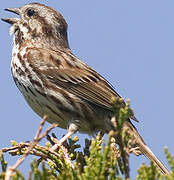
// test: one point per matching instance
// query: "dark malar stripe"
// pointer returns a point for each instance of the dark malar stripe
(21, 61)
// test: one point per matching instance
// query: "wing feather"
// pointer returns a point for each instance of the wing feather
(68, 72)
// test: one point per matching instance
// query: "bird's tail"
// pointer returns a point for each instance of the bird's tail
(144, 148)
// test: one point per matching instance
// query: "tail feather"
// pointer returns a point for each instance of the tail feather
(144, 148)
(149, 154)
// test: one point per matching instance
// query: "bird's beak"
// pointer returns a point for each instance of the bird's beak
(14, 10)
(12, 20)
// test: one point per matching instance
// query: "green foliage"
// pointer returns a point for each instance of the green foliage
(122, 114)
(98, 159)
(100, 164)
(149, 172)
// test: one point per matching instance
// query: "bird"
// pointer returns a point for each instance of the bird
(56, 83)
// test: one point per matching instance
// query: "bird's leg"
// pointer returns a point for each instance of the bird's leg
(72, 129)
(135, 150)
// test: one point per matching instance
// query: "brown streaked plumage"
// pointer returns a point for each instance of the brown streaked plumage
(55, 82)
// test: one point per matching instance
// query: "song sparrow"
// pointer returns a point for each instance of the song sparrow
(55, 82)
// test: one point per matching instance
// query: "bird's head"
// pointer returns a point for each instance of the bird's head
(40, 24)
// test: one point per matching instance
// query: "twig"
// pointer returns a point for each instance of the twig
(124, 156)
(37, 138)
(64, 150)
(40, 128)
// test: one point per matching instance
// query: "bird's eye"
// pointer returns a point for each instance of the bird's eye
(30, 12)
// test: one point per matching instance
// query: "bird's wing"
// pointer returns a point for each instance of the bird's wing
(68, 72)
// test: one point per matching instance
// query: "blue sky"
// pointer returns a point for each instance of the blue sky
(130, 43)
